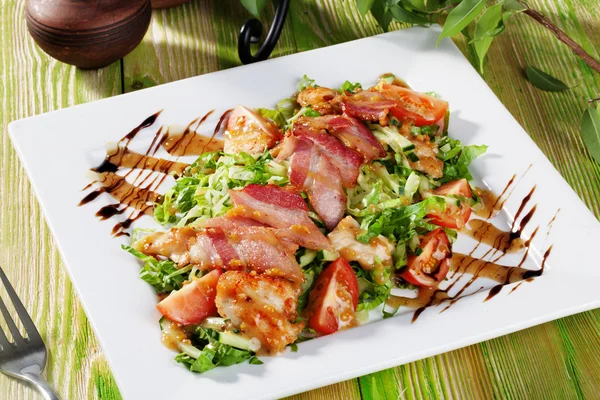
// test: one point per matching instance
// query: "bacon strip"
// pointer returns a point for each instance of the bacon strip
(368, 105)
(254, 248)
(227, 222)
(346, 160)
(313, 171)
(262, 251)
(352, 132)
(279, 208)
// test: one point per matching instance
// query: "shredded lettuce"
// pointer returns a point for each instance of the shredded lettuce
(284, 110)
(163, 275)
(312, 263)
(210, 353)
(376, 189)
(350, 87)
(400, 224)
(372, 294)
(305, 83)
(202, 192)
(457, 158)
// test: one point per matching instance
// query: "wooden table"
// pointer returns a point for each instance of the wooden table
(560, 359)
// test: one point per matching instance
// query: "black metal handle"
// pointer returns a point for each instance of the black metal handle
(252, 32)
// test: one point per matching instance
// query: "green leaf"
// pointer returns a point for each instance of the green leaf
(305, 83)
(255, 361)
(512, 7)
(364, 6)
(349, 87)
(382, 15)
(418, 5)
(590, 131)
(402, 15)
(255, 7)
(489, 25)
(461, 16)
(274, 115)
(544, 81)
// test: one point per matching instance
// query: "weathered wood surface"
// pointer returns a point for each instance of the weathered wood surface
(556, 360)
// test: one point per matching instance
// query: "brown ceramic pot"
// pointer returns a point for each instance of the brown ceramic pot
(88, 33)
(167, 3)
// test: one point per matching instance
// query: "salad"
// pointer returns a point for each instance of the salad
(306, 220)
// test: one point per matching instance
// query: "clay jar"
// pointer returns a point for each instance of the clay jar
(167, 3)
(88, 33)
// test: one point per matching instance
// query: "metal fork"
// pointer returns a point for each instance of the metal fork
(25, 358)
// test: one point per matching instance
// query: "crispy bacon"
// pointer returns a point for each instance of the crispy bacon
(250, 132)
(321, 99)
(227, 222)
(279, 208)
(343, 240)
(239, 224)
(346, 160)
(261, 307)
(255, 248)
(313, 171)
(368, 105)
(352, 132)
(262, 251)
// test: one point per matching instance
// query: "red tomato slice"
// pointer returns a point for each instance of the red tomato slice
(454, 217)
(193, 302)
(432, 265)
(422, 109)
(334, 298)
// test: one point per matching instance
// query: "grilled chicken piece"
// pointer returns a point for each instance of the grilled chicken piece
(312, 171)
(262, 307)
(321, 99)
(426, 150)
(279, 208)
(182, 245)
(250, 132)
(352, 132)
(253, 248)
(343, 240)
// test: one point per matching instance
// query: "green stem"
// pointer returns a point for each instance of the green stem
(563, 37)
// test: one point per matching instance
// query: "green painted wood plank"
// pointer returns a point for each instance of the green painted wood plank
(552, 120)
(557, 360)
(190, 40)
(32, 83)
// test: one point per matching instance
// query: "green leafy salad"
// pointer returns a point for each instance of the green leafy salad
(402, 205)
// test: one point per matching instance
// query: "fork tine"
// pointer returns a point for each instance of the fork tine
(4, 344)
(11, 324)
(32, 332)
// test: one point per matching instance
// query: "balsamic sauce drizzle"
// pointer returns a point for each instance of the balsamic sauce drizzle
(500, 242)
(140, 196)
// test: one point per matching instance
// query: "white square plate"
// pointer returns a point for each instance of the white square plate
(58, 148)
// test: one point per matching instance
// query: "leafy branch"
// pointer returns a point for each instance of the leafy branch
(480, 21)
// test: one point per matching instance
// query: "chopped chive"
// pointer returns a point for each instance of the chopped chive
(412, 156)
